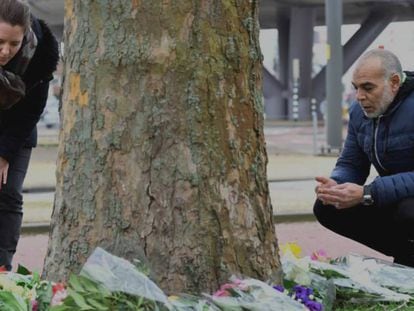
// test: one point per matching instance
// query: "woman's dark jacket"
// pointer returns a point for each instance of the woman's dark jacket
(18, 124)
(387, 142)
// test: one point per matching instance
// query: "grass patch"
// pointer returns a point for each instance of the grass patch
(380, 306)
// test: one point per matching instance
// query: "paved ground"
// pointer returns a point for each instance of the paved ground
(291, 169)
(309, 235)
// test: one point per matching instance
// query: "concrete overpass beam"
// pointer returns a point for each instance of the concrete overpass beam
(370, 29)
(300, 48)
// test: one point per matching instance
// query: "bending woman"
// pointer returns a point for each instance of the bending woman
(28, 57)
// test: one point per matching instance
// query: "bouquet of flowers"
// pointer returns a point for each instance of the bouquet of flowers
(350, 279)
(315, 283)
(252, 294)
(23, 291)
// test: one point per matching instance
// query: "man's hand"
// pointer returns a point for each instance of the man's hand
(323, 183)
(4, 168)
(341, 196)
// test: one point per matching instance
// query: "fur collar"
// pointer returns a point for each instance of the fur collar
(46, 57)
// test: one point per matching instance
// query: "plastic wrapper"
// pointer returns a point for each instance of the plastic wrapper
(393, 276)
(185, 302)
(119, 275)
(258, 296)
(360, 279)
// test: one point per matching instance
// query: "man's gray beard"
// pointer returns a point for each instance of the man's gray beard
(386, 100)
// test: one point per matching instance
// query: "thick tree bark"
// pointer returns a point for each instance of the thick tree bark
(162, 150)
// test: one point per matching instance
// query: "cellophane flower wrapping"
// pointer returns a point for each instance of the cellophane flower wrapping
(119, 275)
(252, 294)
(356, 278)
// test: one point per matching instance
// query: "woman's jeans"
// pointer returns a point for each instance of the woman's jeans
(388, 230)
(11, 206)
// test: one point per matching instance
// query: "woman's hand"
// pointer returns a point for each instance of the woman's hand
(4, 168)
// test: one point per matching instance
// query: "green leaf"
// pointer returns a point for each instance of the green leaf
(288, 284)
(60, 308)
(69, 303)
(97, 305)
(23, 270)
(329, 274)
(74, 282)
(89, 285)
(44, 295)
(79, 300)
(36, 277)
(12, 302)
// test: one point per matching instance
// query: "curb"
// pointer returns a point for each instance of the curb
(291, 218)
(35, 228)
(39, 189)
(290, 179)
(44, 227)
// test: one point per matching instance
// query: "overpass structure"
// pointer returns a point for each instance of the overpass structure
(295, 21)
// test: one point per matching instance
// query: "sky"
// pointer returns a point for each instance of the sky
(398, 37)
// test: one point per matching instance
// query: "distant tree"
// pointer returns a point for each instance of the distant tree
(162, 150)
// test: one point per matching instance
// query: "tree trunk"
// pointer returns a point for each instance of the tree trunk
(162, 150)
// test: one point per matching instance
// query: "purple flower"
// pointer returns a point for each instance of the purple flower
(303, 298)
(300, 290)
(302, 293)
(279, 288)
(314, 305)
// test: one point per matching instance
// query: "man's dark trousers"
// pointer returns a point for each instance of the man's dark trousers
(388, 230)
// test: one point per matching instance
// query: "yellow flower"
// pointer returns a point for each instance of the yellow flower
(291, 247)
(173, 298)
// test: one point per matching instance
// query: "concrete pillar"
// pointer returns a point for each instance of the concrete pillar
(333, 13)
(283, 29)
(275, 88)
(300, 48)
(273, 100)
(283, 32)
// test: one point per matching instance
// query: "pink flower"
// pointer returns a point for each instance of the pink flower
(241, 285)
(227, 286)
(58, 297)
(35, 305)
(320, 255)
(58, 287)
(221, 293)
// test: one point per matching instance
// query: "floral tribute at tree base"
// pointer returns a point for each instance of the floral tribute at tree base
(314, 282)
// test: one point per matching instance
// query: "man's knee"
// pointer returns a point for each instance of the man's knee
(404, 214)
(322, 212)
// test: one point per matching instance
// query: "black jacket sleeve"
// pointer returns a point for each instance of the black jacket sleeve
(19, 122)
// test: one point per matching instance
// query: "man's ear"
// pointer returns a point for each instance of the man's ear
(395, 81)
